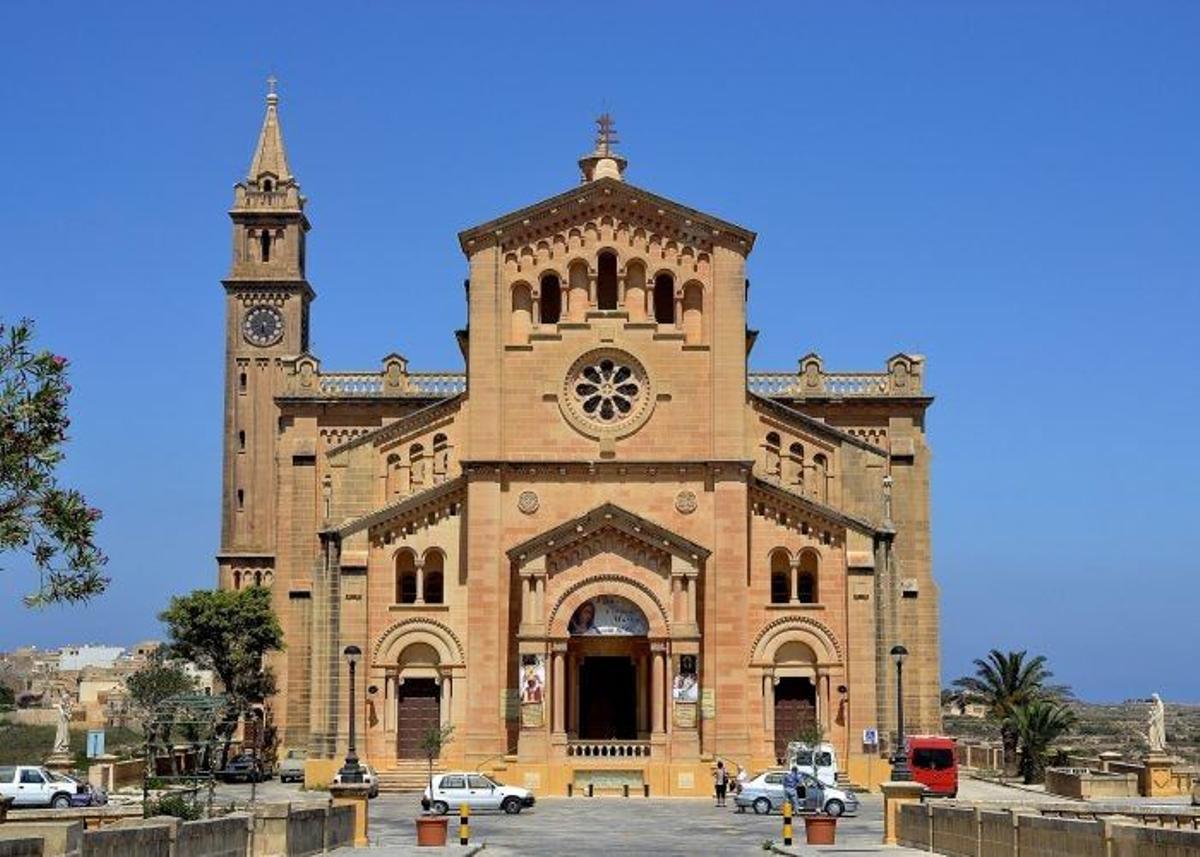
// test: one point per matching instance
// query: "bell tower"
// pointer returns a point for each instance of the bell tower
(266, 325)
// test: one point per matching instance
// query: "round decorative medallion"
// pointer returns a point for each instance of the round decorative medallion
(527, 502)
(606, 393)
(685, 502)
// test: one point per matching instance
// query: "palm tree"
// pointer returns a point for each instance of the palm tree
(1003, 682)
(1039, 724)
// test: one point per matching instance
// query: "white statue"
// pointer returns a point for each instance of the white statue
(62, 735)
(1156, 732)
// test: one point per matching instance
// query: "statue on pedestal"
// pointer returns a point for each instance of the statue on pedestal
(62, 734)
(1156, 731)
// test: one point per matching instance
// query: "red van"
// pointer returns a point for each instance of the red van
(934, 763)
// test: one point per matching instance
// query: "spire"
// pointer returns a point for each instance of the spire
(270, 156)
(603, 162)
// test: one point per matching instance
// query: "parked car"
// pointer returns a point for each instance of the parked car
(33, 785)
(819, 761)
(244, 768)
(933, 760)
(477, 791)
(291, 767)
(369, 777)
(764, 794)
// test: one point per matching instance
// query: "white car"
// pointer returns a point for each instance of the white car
(369, 777)
(33, 785)
(764, 794)
(452, 790)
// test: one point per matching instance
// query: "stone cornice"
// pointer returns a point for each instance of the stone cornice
(724, 469)
(434, 495)
(813, 424)
(410, 422)
(811, 507)
(606, 516)
(540, 215)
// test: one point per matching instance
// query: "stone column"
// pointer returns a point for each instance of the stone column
(690, 582)
(558, 691)
(447, 700)
(768, 704)
(420, 563)
(657, 693)
(643, 695)
(677, 608)
(795, 563)
(573, 694)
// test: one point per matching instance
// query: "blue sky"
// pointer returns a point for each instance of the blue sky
(1010, 189)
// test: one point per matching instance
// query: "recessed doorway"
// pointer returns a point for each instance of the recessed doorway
(417, 711)
(795, 712)
(607, 698)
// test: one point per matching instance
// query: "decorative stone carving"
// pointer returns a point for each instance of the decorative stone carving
(685, 502)
(606, 394)
(527, 502)
(1156, 730)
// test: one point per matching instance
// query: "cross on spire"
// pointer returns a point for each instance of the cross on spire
(606, 133)
(271, 81)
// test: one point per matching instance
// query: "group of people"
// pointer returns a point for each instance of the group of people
(721, 784)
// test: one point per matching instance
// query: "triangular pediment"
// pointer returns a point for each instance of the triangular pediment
(611, 517)
(618, 198)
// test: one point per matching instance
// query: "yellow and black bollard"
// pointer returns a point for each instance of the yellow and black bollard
(787, 822)
(464, 824)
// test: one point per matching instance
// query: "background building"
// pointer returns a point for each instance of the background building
(607, 552)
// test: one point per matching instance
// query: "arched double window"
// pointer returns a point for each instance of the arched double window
(781, 576)
(434, 576)
(406, 577)
(807, 579)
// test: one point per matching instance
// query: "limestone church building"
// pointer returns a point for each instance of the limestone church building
(605, 552)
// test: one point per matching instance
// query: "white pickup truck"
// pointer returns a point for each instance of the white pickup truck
(33, 785)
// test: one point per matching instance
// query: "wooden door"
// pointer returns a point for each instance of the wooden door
(417, 711)
(795, 712)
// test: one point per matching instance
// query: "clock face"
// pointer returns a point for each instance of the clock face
(263, 326)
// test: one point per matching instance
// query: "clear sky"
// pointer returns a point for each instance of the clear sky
(1010, 189)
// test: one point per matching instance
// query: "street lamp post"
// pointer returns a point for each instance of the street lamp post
(352, 771)
(900, 769)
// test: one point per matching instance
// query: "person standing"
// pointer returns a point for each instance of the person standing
(739, 783)
(721, 782)
(791, 788)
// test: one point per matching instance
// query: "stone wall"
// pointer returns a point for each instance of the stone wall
(31, 847)
(975, 832)
(1084, 784)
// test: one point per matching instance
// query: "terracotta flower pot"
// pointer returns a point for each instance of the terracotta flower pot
(820, 829)
(431, 830)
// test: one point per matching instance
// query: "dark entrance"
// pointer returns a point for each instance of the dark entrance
(795, 712)
(607, 698)
(417, 712)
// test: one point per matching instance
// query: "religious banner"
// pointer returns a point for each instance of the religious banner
(533, 689)
(685, 687)
(608, 616)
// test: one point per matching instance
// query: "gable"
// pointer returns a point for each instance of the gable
(609, 516)
(552, 220)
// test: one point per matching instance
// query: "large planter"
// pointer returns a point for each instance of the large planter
(820, 829)
(431, 830)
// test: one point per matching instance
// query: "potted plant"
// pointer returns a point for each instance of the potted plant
(431, 828)
(820, 828)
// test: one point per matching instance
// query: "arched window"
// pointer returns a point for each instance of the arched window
(807, 592)
(241, 499)
(242, 382)
(416, 465)
(693, 312)
(606, 281)
(241, 441)
(258, 578)
(268, 185)
(781, 576)
(406, 577)
(264, 240)
(434, 573)
(664, 299)
(551, 300)
(796, 465)
(522, 312)
(771, 454)
(394, 488)
(441, 457)
(237, 580)
(820, 474)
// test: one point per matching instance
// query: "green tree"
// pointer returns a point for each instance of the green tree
(229, 632)
(433, 741)
(8, 699)
(159, 679)
(54, 525)
(1039, 723)
(1003, 682)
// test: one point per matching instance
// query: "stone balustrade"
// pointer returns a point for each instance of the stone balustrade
(904, 376)
(608, 749)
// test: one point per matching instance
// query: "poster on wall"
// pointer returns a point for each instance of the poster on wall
(608, 616)
(686, 686)
(533, 678)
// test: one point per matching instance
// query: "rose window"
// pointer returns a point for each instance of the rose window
(606, 392)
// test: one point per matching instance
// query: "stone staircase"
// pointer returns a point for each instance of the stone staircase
(406, 776)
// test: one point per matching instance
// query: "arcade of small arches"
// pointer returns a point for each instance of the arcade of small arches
(790, 468)
(420, 579)
(795, 576)
(418, 468)
(244, 578)
(550, 298)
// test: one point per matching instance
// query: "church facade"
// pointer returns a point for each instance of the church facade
(607, 552)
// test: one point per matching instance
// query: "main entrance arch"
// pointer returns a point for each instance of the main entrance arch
(608, 680)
